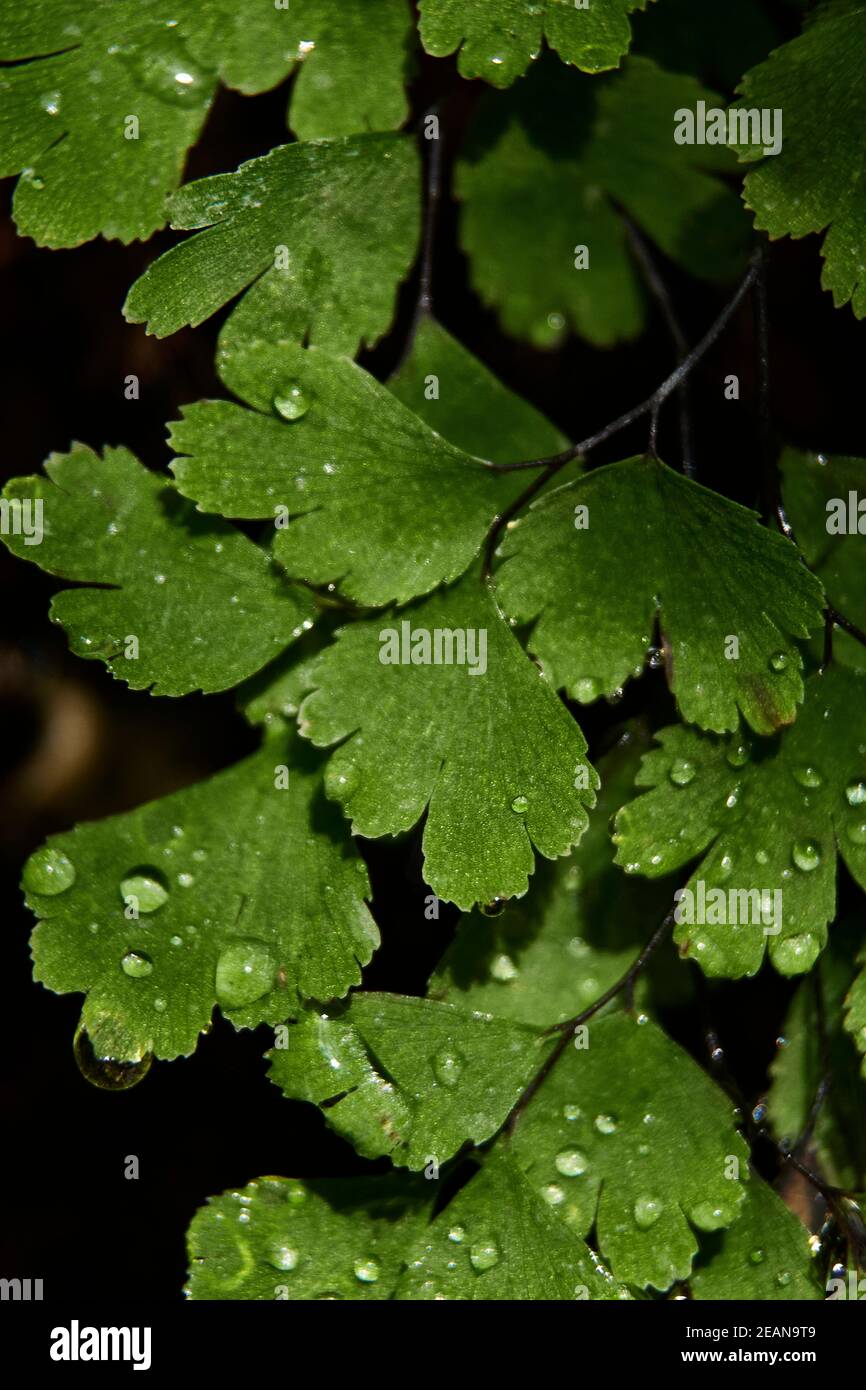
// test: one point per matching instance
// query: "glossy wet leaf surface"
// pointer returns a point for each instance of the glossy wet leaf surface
(319, 234)
(709, 574)
(763, 819)
(161, 913)
(628, 1134)
(174, 601)
(105, 98)
(491, 755)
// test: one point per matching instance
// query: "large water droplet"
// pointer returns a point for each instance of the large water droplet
(48, 872)
(796, 954)
(167, 71)
(457, 1235)
(136, 965)
(147, 886)
(494, 908)
(448, 1067)
(571, 1163)
(856, 831)
(484, 1255)
(647, 1211)
(503, 969)
(108, 1073)
(367, 1271)
(245, 971)
(710, 1216)
(282, 1256)
(291, 401)
(682, 772)
(806, 855)
(606, 1124)
(520, 804)
(855, 792)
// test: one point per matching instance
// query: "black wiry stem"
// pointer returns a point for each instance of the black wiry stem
(567, 1029)
(670, 384)
(433, 195)
(772, 500)
(659, 291)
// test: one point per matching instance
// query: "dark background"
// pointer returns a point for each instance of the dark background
(78, 745)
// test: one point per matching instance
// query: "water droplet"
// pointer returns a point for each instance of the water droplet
(367, 1271)
(108, 1073)
(185, 880)
(757, 1257)
(167, 71)
(282, 1256)
(855, 792)
(571, 1163)
(708, 1216)
(484, 1255)
(856, 832)
(738, 755)
(494, 908)
(783, 1278)
(245, 971)
(647, 1211)
(136, 965)
(587, 689)
(806, 855)
(571, 1112)
(808, 776)
(447, 1067)
(682, 772)
(552, 1194)
(606, 1124)
(457, 1235)
(341, 780)
(291, 401)
(48, 872)
(655, 658)
(146, 885)
(795, 954)
(778, 661)
(520, 804)
(502, 968)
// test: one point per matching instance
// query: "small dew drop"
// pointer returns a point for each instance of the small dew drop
(647, 1211)
(136, 965)
(682, 772)
(147, 886)
(806, 855)
(291, 401)
(448, 1067)
(606, 1124)
(367, 1271)
(520, 804)
(778, 661)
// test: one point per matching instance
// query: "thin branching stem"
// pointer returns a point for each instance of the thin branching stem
(660, 293)
(432, 199)
(567, 1029)
(671, 383)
